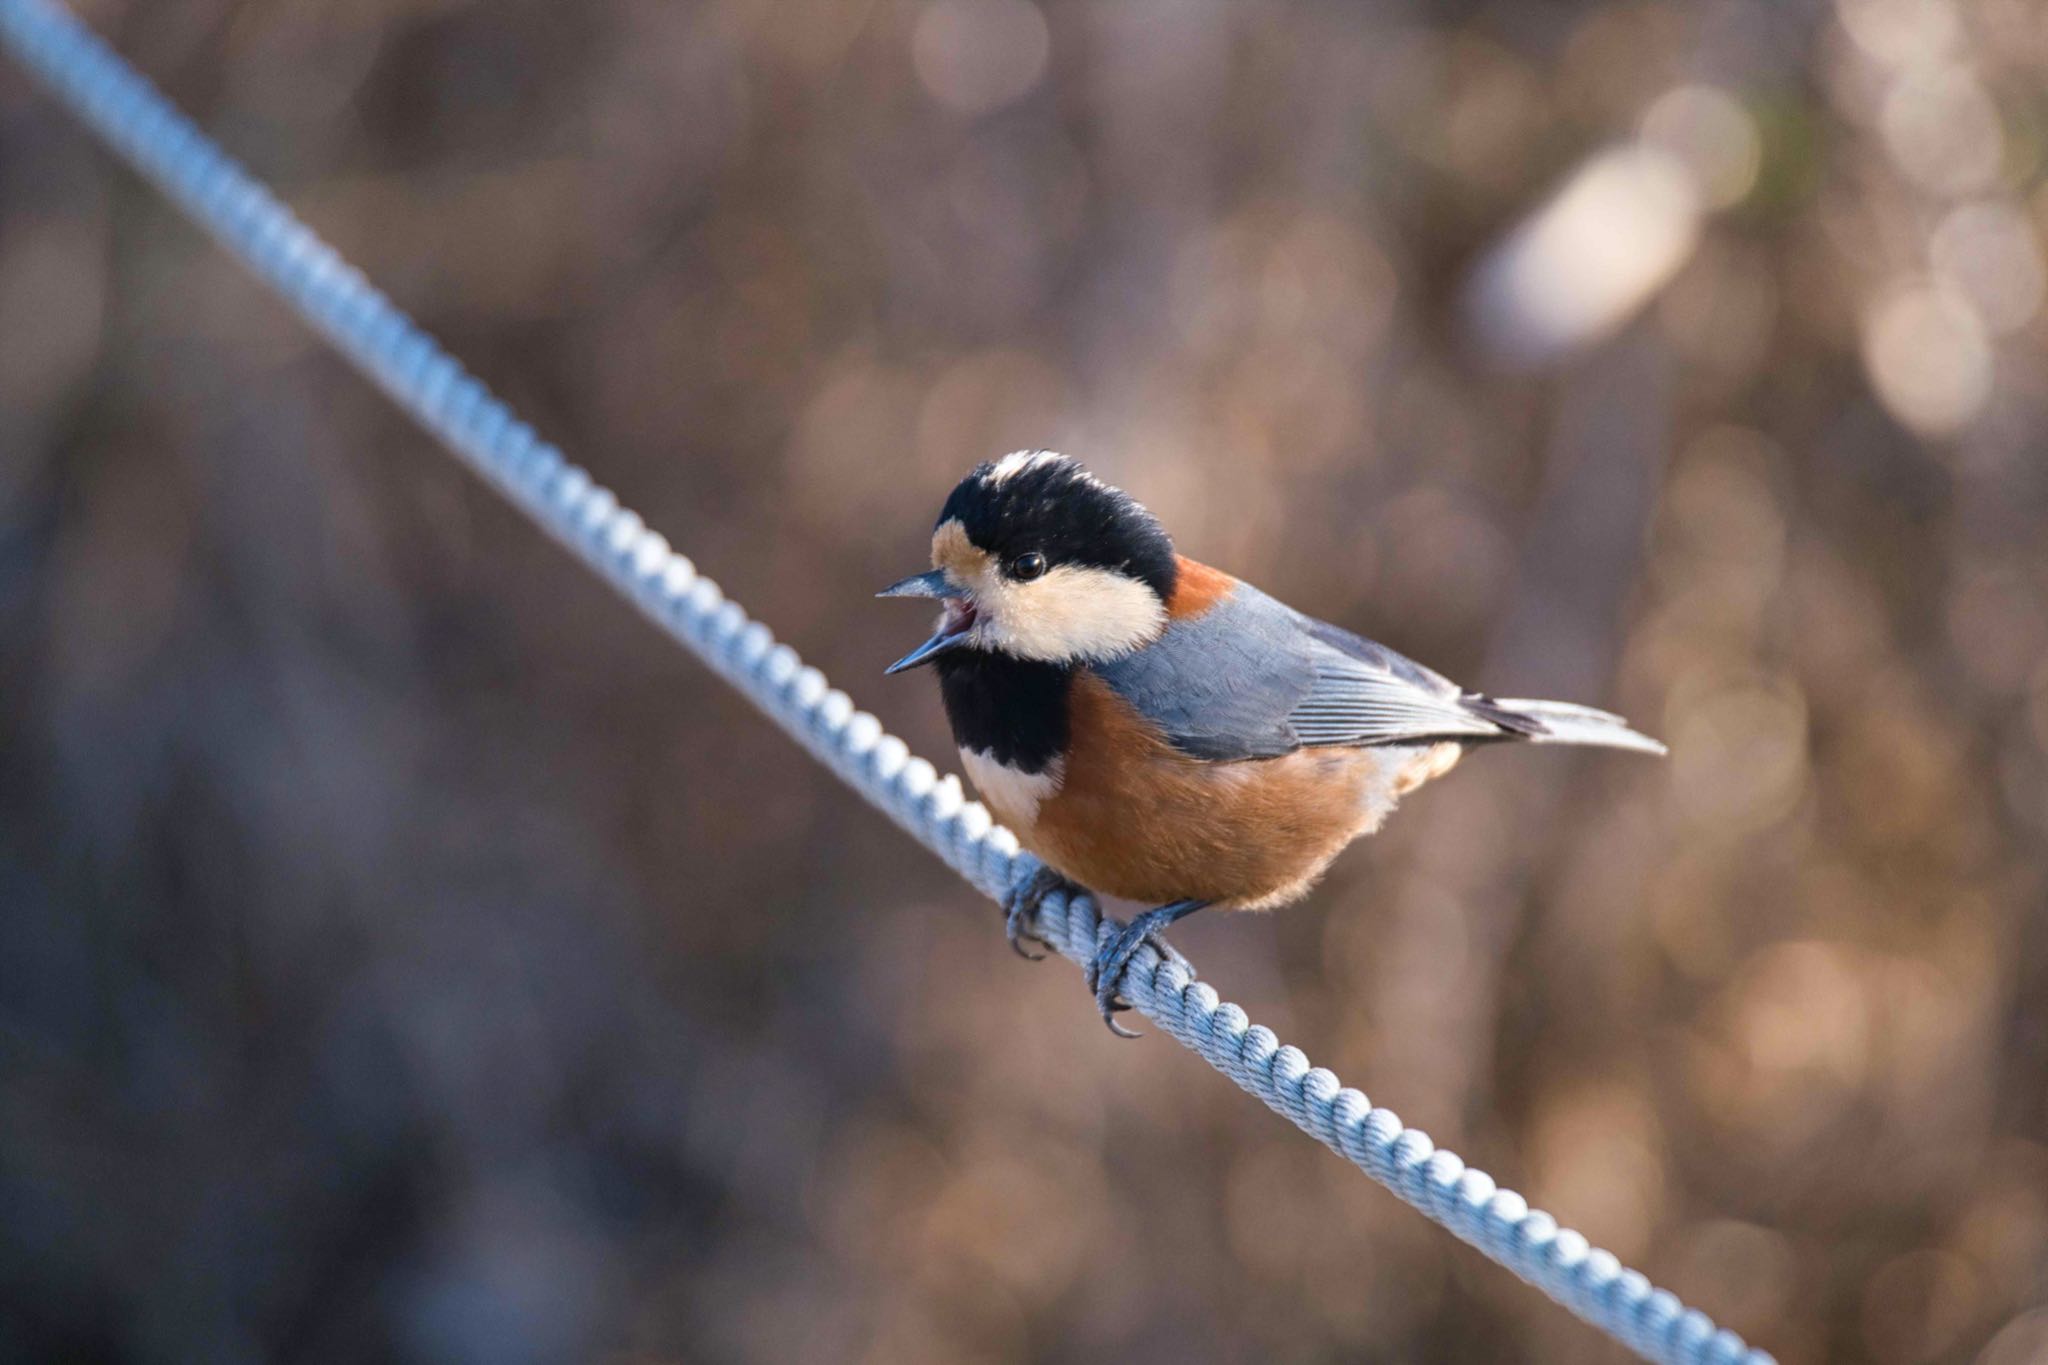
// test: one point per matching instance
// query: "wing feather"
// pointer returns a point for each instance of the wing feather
(1355, 703)
(1253, 678)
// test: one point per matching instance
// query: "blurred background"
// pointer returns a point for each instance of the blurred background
(407, 954)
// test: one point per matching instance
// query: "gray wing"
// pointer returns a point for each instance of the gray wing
(1365, 693)
(1253, 678)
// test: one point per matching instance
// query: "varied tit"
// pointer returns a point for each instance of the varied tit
(1155, 729)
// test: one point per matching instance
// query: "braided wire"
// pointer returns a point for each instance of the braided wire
(423, 379)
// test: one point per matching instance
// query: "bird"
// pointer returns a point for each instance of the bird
(1155, 729)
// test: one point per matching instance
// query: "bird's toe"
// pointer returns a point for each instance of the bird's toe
(1020, 912)
(1106, 974)
(1113, 958)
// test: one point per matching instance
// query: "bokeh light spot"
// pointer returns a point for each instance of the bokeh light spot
(1928, 357)
(1990, 253)
(1589, 258)
(975, 56)
(1706, 130)
(1943, 131)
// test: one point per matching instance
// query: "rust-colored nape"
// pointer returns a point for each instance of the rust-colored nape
(1197, 588)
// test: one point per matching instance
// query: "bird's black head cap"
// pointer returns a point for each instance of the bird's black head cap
(1045, 503)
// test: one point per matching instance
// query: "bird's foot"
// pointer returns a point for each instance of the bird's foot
(1113, 959)
(1020, 909)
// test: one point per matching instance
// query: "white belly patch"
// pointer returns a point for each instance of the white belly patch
(1013, 796)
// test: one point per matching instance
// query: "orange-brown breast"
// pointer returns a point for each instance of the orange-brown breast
(1134, 817)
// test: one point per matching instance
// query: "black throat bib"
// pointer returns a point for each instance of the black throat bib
(1013, 710)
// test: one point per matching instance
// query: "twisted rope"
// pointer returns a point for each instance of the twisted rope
(423, 379)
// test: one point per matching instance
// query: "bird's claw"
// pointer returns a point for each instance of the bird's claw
(1020, 910)
(1106, 973)
(1113, 958)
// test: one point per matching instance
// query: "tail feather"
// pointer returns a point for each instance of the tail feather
(1563, 722)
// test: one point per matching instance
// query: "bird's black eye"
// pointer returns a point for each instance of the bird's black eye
(1026, 567)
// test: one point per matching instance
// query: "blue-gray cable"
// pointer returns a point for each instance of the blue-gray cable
(407, 364)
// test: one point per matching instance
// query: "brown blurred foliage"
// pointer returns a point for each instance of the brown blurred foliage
(406, 954)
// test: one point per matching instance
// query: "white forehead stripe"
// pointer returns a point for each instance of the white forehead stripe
(1015, 463)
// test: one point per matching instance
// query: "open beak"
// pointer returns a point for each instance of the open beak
(953, 630)
(933, 584)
